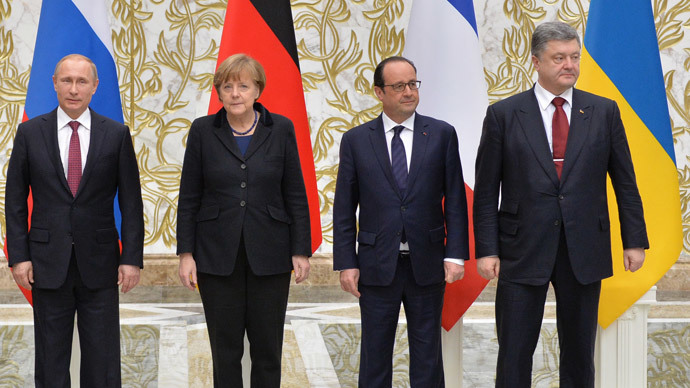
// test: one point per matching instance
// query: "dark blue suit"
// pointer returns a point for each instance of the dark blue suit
(365, 180)
(548, 229)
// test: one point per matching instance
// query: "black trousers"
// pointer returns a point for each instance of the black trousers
(519, 313)
(380, 309)
(243, 301)
(98, 322)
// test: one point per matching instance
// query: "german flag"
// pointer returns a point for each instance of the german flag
(263, 29)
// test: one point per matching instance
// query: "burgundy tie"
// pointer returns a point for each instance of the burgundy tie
(74, 159)
(559, 132)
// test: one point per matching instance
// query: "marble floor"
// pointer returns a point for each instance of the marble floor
(165, 344)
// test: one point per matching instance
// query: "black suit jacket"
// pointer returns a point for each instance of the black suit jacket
(60, 220)
(260, 195)
(365, 180)
(514, 160)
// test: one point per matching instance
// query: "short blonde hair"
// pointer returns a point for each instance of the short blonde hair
(234, 66)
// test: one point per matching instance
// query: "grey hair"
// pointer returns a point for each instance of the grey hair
(548, 31)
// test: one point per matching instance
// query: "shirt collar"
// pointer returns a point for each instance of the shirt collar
(389, 124)
(63, 119)
(544, 97)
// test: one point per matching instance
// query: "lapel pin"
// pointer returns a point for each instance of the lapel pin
(424, 133)
(581, 111)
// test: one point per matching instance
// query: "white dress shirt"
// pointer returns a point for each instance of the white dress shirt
(64, 133)
(406, 135)
(547, 109)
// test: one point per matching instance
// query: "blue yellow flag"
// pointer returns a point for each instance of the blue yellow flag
(620, 60)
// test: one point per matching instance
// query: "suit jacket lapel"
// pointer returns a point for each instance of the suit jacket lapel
(260, 135)
(419, 144)
(97, 134)
(378, 142)
(49, 129)
(532, 125)
(224, 134)
(578, 132)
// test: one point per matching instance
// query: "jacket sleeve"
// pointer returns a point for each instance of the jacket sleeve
(16, 207)
(295, 198)
(191, 191)
(131, 205)
(622, 173)
(488, 170)
(455, 205)
(344, 207)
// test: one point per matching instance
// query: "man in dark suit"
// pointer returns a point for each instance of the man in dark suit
(409, 242)
(553, 222)
(74, 161)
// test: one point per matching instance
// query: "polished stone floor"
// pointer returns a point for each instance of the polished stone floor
(165, 344)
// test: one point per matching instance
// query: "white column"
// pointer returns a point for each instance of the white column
(246, 364)
(75, 362)
(452, 355)
(621, 350)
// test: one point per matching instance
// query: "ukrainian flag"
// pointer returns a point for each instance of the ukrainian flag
(620, 60)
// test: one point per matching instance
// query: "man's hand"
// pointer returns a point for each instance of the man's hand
(301, 266)
(349, 278)
(127, 276)
(23, 274)
(187, 271)
(453, 271)
(633, 258)
(488, 267)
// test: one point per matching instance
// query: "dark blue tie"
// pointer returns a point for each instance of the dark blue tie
(399, 164)
(399, 159)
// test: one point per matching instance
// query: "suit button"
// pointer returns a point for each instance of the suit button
(403, 208)
(397, 234)
(557, 222)
(243, 203)
(561, 196)
(243, 185)
(243, 166)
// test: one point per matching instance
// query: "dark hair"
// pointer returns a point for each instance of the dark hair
(378, 73)
(548, 31)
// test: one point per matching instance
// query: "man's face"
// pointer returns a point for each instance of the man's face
(399, 106)
(558, 66)
(75, 85)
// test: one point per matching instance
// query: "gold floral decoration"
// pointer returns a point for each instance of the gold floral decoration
(140, 78)
(671, 21)
(336, 56)
(13, 86)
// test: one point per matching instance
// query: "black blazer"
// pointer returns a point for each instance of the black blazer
(514, 159)
(365, 180)
(60, 221)
(259, 195)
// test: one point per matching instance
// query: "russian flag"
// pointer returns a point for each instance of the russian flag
(263, 29)
(620, 60)
(442, 41)
(73, 27)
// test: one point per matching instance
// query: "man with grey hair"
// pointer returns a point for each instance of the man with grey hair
(74, 161)
(546, 154)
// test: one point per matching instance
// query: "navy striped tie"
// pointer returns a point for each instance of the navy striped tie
(399, 159)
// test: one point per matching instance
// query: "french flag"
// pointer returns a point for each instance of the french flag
(73, 27)
(442, 41)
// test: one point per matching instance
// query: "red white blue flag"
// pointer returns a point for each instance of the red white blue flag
(442, 41)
